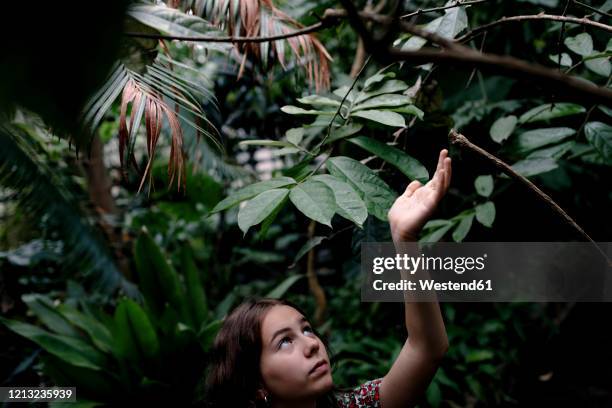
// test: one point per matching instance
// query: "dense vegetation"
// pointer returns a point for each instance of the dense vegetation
(149, 182)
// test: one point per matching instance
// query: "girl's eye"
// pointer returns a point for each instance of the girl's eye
(283, 341)
(308, 329)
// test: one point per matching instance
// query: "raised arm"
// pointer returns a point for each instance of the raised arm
(427, 342)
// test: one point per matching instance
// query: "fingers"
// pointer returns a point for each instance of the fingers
(448, 171)
(412, 187)
(437, 182)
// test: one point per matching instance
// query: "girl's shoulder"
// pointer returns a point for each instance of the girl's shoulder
(365, 395)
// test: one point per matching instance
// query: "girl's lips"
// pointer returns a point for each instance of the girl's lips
(319, 368)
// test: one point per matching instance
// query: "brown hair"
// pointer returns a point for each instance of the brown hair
(234, 376)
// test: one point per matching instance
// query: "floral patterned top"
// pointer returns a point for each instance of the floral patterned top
(365, 395)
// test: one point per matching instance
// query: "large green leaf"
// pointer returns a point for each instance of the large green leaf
(195, 289)
(258, 208)
(44, 309)
(343, 132)
(531, 167)
(581, 44)
(142, 329)
(532, 139)
(163, 276)
(311, 243)
(279, 291)
(315, 200)
(349, 204)
(405, 163)
(485, 213)
(600, 66)
(600, 136)
(385, 117)
(377, 195)
(251, 191)
(295, 110)
(551, 111)
(317, 100)
(484, 185)
(463, 227)
(387, 87)
(74, 351)
(384, 101)
(98, 333)
(502, 128)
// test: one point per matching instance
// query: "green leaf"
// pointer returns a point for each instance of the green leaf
(436, 234)
(533, 139)
(295, 135)
(348, 203)
(605, 110)
(166, 277)
(294, 110)
(600, 66)
(553, 152)
(485, 213)
(376, 194)
(502, 128)
(484, 185)
(385, 117)
(171, 21)
(195, 289)
(343, 131)
(409, 110)
(479, 355)
(408, 165)
(98, 333)
(311, 243)
(251, 191)
(44, 309)
(599, 136)
(262, 142)
(531, 167)
(566, 60)
(436, 224)
(548, 111)
(581, 44)
(279, 291)
(387, 87)
(142, 330)
(74, 351)
(453, 22)
(383, 101)
(258, 208)
(317, 100)
(463, 228)
(315, 200)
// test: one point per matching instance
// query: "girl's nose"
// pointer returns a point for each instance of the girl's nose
(312, 346)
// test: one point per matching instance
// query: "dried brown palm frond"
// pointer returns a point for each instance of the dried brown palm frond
(260, 18)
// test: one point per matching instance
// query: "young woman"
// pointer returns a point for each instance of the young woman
(268, 355)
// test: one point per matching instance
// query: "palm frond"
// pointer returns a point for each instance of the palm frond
(41, 191)
(260, 18)
(149, 96)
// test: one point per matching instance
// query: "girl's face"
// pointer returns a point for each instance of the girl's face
(294, 361)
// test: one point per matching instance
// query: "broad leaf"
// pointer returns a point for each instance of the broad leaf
(377, 195)
(485, 213)
(533, 139)
(315, 200)
(384, 117)
(463, 227)
(600, 66)
(295, 110)
(599, 136)
(408, 165)
(317, 100)
(531, 167)
(384, 101)
(550, 111)
(484, 185)
(343, 131)
(258, 208)
(349, 204)
(251, 191)
(581, 44)
(502, 128)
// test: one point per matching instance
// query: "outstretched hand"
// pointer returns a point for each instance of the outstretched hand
(411, 210)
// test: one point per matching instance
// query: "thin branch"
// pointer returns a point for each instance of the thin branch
(325, 23)
(593, 9)
(573, 20)
(459, 139)
(434, 9)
